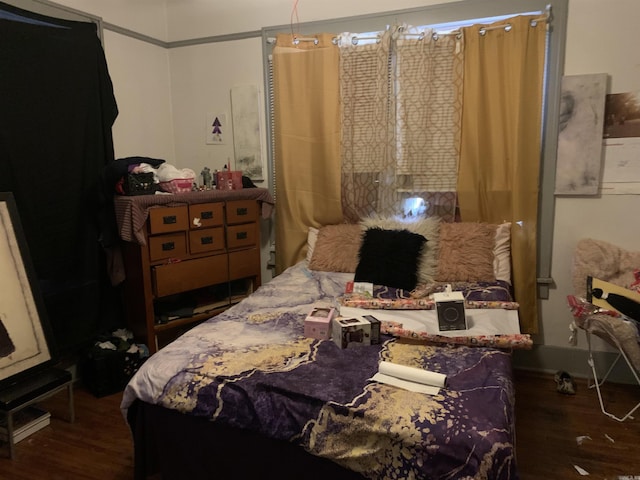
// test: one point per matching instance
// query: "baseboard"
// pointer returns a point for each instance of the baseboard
(550, 359)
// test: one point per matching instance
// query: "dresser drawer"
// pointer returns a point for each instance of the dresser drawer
(206, 240)
(171, 245)
(203, 215)
(168, 219)
(242, 211)
(239, 236)
(244, 264)
(189, 275)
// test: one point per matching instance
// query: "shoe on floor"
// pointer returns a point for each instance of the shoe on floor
(565, 382)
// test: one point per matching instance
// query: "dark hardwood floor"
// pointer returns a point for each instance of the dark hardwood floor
(548, 424)
(98, 445)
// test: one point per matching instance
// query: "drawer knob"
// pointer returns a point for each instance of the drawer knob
(167, 246)
(206, 240)
(169, 219)
(241, 211)
(241, 236)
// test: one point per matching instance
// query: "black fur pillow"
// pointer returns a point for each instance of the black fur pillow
(390, 258)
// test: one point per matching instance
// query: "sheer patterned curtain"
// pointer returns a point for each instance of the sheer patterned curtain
(401, 118)
(307, 141)
(428, 101)
(501, 135)
(368, 171)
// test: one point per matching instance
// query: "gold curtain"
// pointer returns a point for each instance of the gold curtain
(501, 136)
(307, 141)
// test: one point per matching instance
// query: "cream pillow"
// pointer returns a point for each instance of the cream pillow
(502, 253)
(312, 237)
(429, 228)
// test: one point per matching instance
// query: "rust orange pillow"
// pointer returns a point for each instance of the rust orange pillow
(336, 248)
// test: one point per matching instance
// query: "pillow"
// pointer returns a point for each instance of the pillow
(502, 253)
(429, 228)
(390, 258)
(466, 252)
(312, 237)
(336, 249)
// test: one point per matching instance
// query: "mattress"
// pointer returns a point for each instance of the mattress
(251, 369)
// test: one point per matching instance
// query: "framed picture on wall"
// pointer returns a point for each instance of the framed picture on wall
(26, 340)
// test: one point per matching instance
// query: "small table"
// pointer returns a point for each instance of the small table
(33, 389)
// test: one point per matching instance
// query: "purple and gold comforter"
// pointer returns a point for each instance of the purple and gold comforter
(251, 368)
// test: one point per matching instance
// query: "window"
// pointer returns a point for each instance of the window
(450, 16)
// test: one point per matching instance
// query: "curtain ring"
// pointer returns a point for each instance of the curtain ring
(315, 41)
(533, 23)
(507, 27)
(482, 31)
(435, 37)
(354, 40)
(295, 41)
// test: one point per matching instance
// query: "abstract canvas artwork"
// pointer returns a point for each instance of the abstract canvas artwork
(581, 126)
(25, 338)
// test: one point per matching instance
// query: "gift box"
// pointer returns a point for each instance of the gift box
(318, 323)
(229, 180)
(347, 331)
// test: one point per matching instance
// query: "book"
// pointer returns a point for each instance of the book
(25, 422)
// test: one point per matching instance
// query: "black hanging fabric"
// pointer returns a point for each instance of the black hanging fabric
(57, 108)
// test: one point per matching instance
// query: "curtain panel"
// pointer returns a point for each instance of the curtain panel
(501, 134)
(307, 141)
(367, 165)
(428, 103)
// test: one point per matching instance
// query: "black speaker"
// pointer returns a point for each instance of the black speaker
(451, 315)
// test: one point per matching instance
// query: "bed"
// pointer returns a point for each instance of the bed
(247, 395)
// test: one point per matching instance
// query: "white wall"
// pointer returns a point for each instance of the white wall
(201, 79)
(602, 38)
(140, 75)
(203, 18)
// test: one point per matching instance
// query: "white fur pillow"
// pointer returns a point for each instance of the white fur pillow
(429, 228)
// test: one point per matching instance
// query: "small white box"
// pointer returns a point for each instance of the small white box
(375, 328)
(318, 323)
(348, 330)
(450, 309)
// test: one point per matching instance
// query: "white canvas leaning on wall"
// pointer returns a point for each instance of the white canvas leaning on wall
(247, 139)
(581, 125)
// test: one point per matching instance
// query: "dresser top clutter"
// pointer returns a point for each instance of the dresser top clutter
(132, 211)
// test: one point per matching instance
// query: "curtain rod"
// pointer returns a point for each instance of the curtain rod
(421, 35)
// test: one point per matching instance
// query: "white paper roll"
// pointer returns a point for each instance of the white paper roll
(411, 374)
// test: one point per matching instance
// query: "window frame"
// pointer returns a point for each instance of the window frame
(462, 11)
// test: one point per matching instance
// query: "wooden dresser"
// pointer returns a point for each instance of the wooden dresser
(192, 258)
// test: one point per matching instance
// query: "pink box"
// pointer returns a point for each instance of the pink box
(318, 323)
(228, 180)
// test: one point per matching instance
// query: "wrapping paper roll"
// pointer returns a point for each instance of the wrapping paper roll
(412, 374)
(410, 378)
